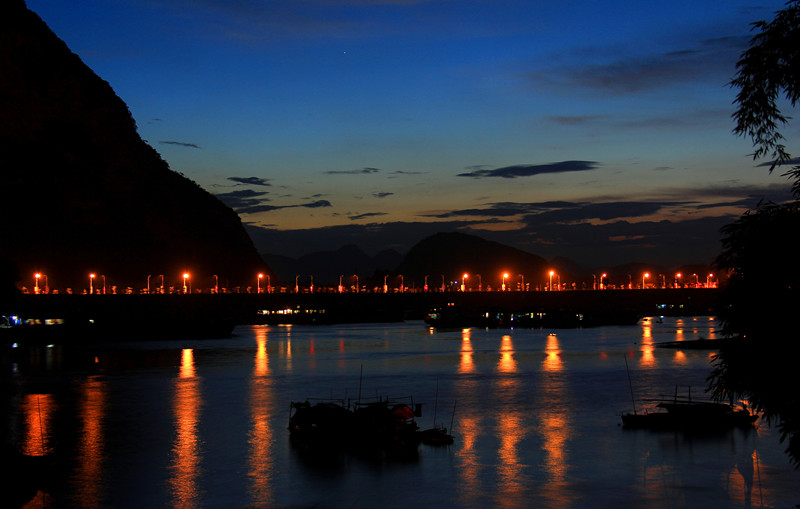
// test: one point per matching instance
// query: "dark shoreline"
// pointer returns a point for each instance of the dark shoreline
(215, 315)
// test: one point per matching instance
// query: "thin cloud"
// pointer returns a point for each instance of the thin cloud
(571, 120)
(794, 160)
(366, 215)
(709, 60)
(242, 198)
(180, 144)
(269, 208)
(362, 171)
(404, 172)
(251, 181)
(563, 211)
(530, 170)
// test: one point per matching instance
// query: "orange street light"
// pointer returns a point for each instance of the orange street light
(646, 275)
(258, 282)
(185, 277)
(464, 283)
(36, 283)
(678, 280)
(552, 273)
(91, 280)
(505, 276)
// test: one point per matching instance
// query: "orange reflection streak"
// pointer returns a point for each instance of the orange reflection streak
(648, 357)
(260, 472)
(712, 331)
(552, 362)
(740, 478)
(680, 357)
(185, 452)
(469, 484)
(555, 426)
(289, 348)
(466, 365)
(507, 363)
(38, 410)
(91, 444)
(262, 360)
(510, 430)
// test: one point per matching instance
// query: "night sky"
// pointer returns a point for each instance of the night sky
(600, 131)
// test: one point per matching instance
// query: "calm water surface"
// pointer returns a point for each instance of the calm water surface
(535, 413)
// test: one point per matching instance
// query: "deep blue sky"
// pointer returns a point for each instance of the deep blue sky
(600, 131)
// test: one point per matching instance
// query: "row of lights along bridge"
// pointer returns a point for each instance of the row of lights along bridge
(97, 284)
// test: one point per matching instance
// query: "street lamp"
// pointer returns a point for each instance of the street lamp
(523, 282)
(464, 283)
(341, 288)
(479, 281)
(385, 286)
(185, 277)
(708, 280)
(148, 284)
(216, 284)
(678, 280)
(36, 283)
(646, 275)
(552, 273)
(425, 287)
(258, 282)
(601, 280)
(505, 276)
(91, 280)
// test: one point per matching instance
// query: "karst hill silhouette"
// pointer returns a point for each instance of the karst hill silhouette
(82, 192)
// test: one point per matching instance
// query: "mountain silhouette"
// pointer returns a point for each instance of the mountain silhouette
(327, 266)
(453, 254)
(82, 192)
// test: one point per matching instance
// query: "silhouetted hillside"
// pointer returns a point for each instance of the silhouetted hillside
(81, 191)
(454, 254)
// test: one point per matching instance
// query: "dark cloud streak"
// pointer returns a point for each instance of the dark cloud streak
(251, 181)
(530, 170)
(180, 144)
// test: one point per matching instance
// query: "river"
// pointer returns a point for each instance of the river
(535, 416)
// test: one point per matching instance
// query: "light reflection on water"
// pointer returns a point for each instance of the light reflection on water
(186, 455)
(535, 414)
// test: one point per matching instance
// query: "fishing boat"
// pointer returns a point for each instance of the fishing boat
(435, 436)
(381, 425)
(685, 414)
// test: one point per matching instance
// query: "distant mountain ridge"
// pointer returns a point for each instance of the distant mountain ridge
(82, 192)
(327, 266)
(453, 254)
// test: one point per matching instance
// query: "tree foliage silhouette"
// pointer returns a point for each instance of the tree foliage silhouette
(759, 303)
(766, 71)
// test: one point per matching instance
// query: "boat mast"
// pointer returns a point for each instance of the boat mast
(633, 400)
